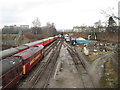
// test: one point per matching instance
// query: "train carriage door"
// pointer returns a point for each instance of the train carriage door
(20, 69)
(16, 71)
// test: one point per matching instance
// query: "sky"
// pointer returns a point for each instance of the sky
(64, 13)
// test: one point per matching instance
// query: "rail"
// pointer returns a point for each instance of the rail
(80, 66)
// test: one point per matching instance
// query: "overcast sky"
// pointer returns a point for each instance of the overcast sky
(64, 13)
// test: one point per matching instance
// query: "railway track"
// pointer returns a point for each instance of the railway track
(42, 74)
(49, 48)
(80, 66)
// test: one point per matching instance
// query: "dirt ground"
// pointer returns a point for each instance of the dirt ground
(68, 76)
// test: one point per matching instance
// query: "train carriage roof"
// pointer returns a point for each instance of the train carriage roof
(33, 43)
(8, 52)
(9, 63)
(29, 52)
(50, 37)
(22, 47)
(39, 41)
(56, 36)
(45, 39)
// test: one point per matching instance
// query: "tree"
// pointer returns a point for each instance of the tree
(98, 24)
(36, 23)
(36, 26)
(111, 25)
(111, 22)
(50, 24)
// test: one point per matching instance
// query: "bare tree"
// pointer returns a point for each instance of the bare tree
(98, 24)
(110, 14)
(50, 24)
(112, 26)
(36, 26)
(36, 23)
(111, 22)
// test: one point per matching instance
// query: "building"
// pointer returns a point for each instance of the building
(119, 12)
(11, 26)
(24, 26)
(76, 29)
(101, 29)
(82, 29)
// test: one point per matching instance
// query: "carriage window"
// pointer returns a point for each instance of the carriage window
(21, 69)
(17, 71)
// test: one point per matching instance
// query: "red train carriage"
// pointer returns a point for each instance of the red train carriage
(46, 41)
(39, 42)
(51, 39)
(56, 37)
(32, 44)
(11, 72)
(30, 57)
